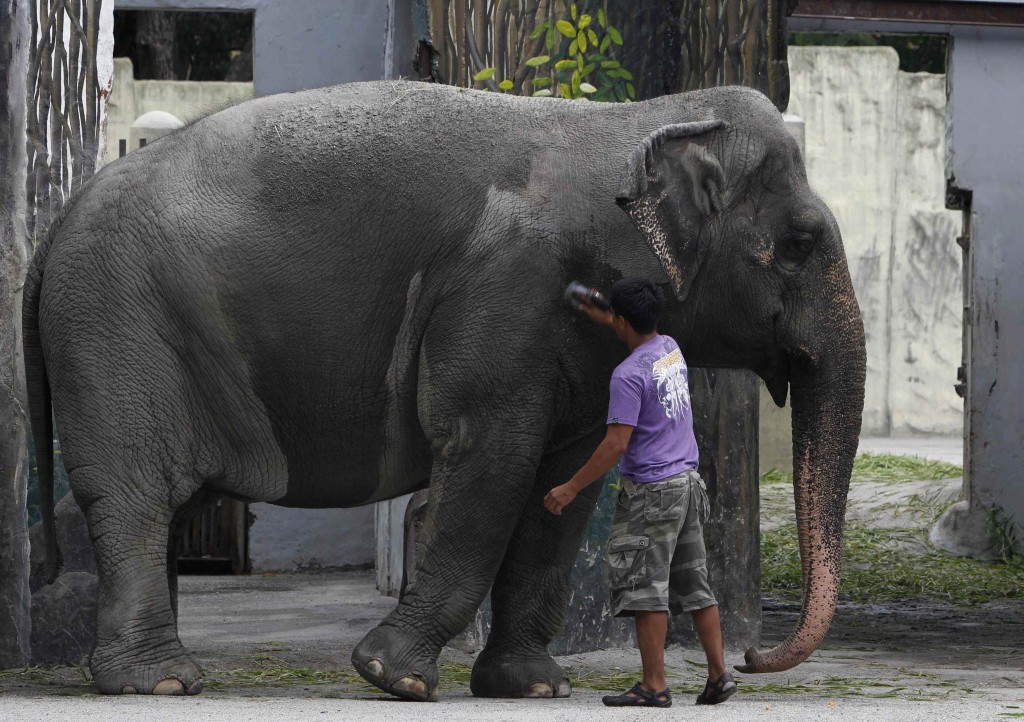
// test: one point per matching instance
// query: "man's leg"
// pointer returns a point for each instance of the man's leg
(651, 628)
(709, 629)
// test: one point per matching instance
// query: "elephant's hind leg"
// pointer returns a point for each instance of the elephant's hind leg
(137, 645)
(531, 590)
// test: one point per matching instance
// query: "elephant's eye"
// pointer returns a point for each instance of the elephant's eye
(794, 249)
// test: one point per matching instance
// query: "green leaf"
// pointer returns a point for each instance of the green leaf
(576, 83)
(549, 40)
(595, 57)
(609, 64)
(630, 90)
(566, 28)
(582, 40)
(614, 35)
(545, 93)
(542, 82)
(592, 37)
(625, 74)
(588, 69)
(539, 29)
(605, 80)
(539, 60)
(573, 47)
(587, 88)
(620, 93)
(565, 64)
(579, 63)
(584, 21)
(601, 19)
(485, 74)
(566, 90)
(601, 95)
(572, 11)
(506, 84)
(605, 43)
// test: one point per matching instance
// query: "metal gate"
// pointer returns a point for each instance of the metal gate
(215, 539)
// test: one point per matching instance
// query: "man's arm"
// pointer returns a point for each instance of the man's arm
(596, 313)
(605, 456)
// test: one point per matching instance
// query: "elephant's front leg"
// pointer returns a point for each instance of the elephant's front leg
(480, 481)
(532, 587)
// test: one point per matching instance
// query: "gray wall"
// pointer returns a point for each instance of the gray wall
(299, 44)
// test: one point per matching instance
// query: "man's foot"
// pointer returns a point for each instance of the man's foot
(637, 696)
(718, 691)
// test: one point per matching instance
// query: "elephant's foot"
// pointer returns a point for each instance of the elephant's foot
(511, 674)
(391, 660)
(177, 675)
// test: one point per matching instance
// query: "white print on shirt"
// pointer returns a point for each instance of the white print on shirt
(670, 378)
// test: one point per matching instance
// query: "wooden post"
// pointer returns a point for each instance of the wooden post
(15, 600)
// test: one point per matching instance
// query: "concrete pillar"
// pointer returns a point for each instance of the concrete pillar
(986, 182)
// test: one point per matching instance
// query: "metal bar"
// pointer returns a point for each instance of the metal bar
(951, 12)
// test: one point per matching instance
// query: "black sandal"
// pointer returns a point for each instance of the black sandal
(637, 696)
(718, 692)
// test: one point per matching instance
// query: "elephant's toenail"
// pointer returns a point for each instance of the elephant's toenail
(413, 686)
(129, 689)
(564, 689)
(539, 689)
(196, 687)
(375, 668)
(170, 687)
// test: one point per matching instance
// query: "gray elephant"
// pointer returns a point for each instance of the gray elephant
(334, 297)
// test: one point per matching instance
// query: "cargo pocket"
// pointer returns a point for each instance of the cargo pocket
(627, 561)
(669, 503)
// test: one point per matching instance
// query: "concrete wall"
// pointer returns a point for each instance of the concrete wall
(187, 100)
(875, 149)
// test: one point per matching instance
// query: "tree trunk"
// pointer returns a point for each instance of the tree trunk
(15, 600)
(155, 33)
(677, 45)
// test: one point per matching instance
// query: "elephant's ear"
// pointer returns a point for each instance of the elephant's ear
(671, 184)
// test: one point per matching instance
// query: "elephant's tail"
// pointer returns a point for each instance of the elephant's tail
(39, 404)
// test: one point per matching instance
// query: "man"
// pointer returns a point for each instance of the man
(656, 560)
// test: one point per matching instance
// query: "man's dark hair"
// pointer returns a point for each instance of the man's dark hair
(638, 301)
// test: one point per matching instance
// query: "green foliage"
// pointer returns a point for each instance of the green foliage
(918, 53)
(1003, 530)
(885, 467)
(892, 467)
(585, 70)
(879, 566)
(886, 564)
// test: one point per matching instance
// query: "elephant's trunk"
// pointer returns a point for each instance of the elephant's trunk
(828, 399)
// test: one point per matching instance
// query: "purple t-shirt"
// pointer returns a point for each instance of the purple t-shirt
(649, 392)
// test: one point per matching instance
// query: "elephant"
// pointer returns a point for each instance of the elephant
(338, 296)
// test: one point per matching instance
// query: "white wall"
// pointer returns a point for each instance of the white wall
(875, 153)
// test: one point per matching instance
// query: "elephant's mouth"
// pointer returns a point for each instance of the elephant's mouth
(776, 378)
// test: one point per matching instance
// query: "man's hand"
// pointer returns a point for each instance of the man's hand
(559, 498)
(596, 313)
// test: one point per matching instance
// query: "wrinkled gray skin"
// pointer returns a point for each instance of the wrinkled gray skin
(335, 297)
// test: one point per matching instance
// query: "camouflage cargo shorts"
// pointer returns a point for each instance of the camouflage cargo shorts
(655, 559)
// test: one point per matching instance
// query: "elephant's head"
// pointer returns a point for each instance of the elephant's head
(756, 263)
